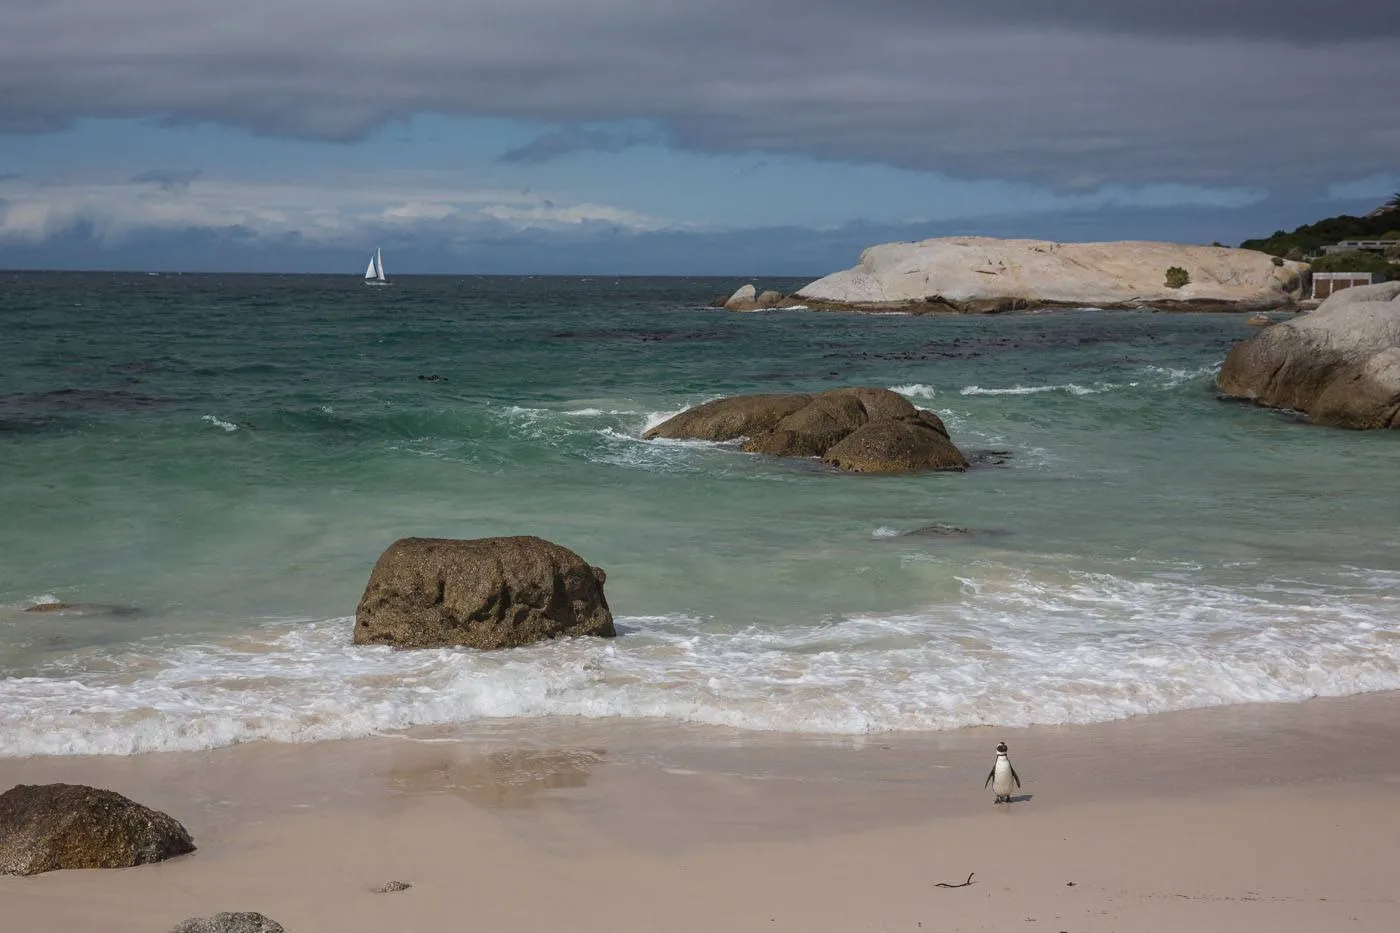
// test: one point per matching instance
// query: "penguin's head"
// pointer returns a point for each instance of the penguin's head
(1001, 748)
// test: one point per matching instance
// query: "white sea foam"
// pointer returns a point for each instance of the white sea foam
(1017, 648)
(218, 422)
(885, 532)
(916, 390)
(1171, 377)
(1069, 388)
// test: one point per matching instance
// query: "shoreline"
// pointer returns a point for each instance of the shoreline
(1265, 816)
(1013, 305)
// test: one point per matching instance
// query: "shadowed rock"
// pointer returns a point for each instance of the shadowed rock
(895, 447)
(891, 435)
(243, 922)
(727, 418)
(47, 827)
(482, 593)
(1340, 365)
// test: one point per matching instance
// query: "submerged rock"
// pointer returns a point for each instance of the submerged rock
(863, 430)
(47, 827)
(1339, 365)
(243, 922)
(481, 593)
(986, 275)
(84, 609)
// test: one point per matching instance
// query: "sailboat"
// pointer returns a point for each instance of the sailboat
(374, 273)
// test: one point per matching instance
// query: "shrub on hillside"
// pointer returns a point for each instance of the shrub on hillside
(1355, 260)
(1310, 238)
(1177, 277)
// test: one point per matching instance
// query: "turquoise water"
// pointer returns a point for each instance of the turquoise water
(222, 458)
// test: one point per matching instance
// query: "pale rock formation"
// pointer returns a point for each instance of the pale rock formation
(984, 274)
(1339, 364)
(748, 298)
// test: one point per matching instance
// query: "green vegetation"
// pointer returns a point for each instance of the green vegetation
(1309, 239)
(1354, 260)
(1177, 277)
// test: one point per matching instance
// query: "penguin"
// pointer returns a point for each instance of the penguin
(1001, 776)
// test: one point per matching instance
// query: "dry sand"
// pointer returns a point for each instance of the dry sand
(1280, 818)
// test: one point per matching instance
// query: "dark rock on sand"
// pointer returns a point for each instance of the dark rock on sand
(392, 887)
(1340, 364)
(864, 430)
(481, 593)
(244, 922)
(46, 827)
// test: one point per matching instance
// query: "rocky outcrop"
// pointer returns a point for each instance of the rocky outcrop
(863, 430)
(748, 298)
(47, 827)
(1340, 364)
(481, 593)
(984, 275)
(242, 922)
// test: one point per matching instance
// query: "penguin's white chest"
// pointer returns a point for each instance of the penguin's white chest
(1001, 777)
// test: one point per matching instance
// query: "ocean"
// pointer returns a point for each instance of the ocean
(214, 462)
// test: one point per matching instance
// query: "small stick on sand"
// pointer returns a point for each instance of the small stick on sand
(944, 884)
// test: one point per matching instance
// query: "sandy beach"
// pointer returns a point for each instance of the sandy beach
(1270, 817)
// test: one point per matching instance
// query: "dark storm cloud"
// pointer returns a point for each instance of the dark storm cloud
(1073, 93)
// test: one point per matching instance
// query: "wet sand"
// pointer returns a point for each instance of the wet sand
(1283, 817)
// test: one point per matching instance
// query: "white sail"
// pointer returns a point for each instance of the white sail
(379, 265)
(370, 272)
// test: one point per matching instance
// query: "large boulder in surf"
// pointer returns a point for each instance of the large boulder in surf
(47, 827)
(1340, 364)
(890, 434)
(480, 593)
(907, 445)
(725, 419)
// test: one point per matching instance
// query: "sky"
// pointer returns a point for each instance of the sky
(722, 137)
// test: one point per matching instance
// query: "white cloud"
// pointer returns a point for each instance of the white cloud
(327, 212)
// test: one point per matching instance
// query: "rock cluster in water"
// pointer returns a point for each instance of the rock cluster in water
(861, 430)
(47, 827)
(480, 593)
(1340, 364)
